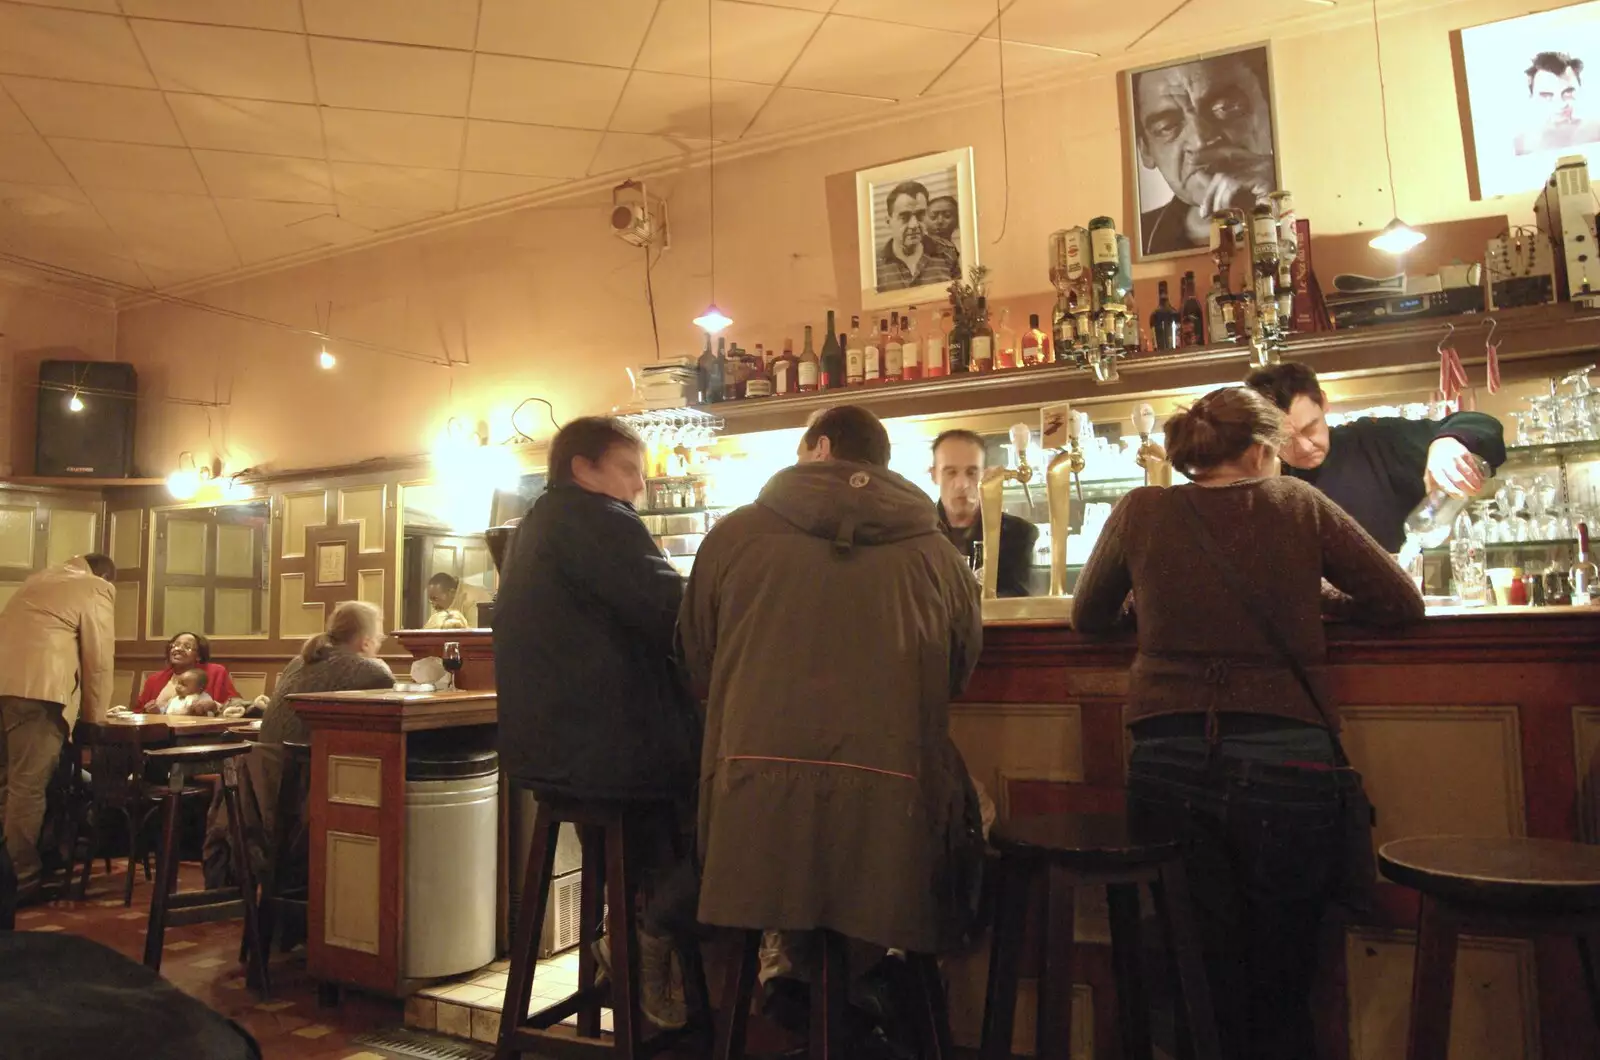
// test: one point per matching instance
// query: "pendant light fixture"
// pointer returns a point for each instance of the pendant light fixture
(1397, 237)
(713, 319)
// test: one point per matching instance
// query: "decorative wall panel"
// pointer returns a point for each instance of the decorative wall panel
(298, 618)
(364, 505)
(127, 539)
(351, 891)
(186, 541)
(1495, 1014)
(123, 689)
(355, 780)
(250, 685)
(127, 610)
(237, 549)
(1586, 751)
(234, 613)
(1042, 741)
(301, 511)
(369, 586)
(16, 537)
(72, 533)
(185, 610)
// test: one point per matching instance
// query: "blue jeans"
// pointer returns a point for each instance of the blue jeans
(1259, 818)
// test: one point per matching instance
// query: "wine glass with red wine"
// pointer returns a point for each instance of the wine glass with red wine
(452, 659)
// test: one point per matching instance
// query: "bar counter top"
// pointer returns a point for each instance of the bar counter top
(389, 711)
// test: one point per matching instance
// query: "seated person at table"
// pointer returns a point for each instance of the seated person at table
(454, 602)
(186, 651)
(831, 795)
(192, 698)
(345, 658)
(591, 703)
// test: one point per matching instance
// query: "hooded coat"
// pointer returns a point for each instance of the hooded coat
(831, 622)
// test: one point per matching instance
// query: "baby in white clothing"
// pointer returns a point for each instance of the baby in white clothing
(191, 696)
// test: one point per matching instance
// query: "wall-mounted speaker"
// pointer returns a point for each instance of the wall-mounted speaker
(86, 419)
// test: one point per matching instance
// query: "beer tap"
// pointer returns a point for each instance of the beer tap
(1150, 456)
(1063, 472)
(991, 497)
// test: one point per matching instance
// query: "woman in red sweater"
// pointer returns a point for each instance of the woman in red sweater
(186, 651)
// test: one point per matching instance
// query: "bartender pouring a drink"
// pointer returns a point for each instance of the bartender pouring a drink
(1377, 470)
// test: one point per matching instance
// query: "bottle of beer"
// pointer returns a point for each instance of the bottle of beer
(832, 359)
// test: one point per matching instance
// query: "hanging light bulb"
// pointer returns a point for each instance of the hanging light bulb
(712, 320)
(1397, 237)
(326, 360)
(75, 403)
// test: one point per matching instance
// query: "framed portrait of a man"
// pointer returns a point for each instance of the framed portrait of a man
(1524, 99)
(917, 224)
(1202, 138)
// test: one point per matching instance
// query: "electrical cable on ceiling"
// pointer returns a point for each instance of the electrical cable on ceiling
(73, 275)
(711, 157)
(550, 410)
(650, 297)
(1383, 103)
(1005, 134)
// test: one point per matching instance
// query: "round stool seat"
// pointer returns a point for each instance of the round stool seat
(198, 752)
(1522, 874)
(1080, 840)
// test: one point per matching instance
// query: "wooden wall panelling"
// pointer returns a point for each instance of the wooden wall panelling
(1586, 769)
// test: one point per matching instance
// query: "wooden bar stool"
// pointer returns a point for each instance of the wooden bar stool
(222, 903)
(1081, 850)
(918, 986)
(610, 886)
(1516, 887)
(284, 893)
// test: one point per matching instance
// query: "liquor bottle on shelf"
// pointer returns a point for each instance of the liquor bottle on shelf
(1583, 574)
(982, 355)
(1031, 349)
(785, 373)
(710, 375)
(894, 349)
(1216, 330)
(1005, 342)
(1191, 318)
(958, 350)
(1264, 258)
(854, 355)
(872, 356)
(759, 385)
(936, 350)
(808, 374)
(1103, 253)
(832, 359)
(1063, 330)
(910, 346)
(733, 378)
(1164, 323)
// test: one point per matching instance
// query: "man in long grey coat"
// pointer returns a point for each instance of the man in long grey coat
(831, 621)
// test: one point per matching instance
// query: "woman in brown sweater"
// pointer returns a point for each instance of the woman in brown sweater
(1229, 751)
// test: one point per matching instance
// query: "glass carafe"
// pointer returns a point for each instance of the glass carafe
(1431, 522)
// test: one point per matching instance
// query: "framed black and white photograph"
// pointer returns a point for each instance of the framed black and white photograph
(917, 224)
(1526, 101)
(1202, 138)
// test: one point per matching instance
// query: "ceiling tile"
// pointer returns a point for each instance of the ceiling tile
(819, 6)
(149, 220)
(438, 23)
(27, 159)
(253, 14)
(70, 45)
(623, 151)
(262, 231)
(350, 222)
(859, 56)
(47, 207)
(480, 188)
(1202, 19)
(12, 120)
(792, 108)
(393, 139)
(134, 167)
(672, 105)
(542, 92)
(753, 43)
(248, 125)
(84, 255)
(393, 77)
(395, 187)
(1080, 24)
(108, 7)
(980, 66)
(607, 32)
(222, 61)
(233, 175)
(958, 16)
(528, 150)
(95, 112)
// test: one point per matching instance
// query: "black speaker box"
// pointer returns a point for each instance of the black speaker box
(96, 441)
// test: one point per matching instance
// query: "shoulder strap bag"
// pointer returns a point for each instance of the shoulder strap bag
(1359, 869)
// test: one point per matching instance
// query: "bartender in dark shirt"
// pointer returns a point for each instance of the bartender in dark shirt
(1377, 470)
(958, 459)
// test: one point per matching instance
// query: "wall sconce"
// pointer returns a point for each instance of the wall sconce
(185, 481)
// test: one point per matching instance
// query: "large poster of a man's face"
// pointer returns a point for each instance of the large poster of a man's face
(918, 228)
(1202, 140)
(1526, 102)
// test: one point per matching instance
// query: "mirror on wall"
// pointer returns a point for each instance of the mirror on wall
(208, 570)
(446, 570)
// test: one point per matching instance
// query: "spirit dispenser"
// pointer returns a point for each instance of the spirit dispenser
(1093, 280)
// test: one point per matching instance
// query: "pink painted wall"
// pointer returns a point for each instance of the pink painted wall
(546, 302)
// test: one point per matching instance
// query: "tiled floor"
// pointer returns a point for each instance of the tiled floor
(470, 1007)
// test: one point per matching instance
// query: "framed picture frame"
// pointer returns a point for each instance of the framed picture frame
(1202, 135)
(1524, 102)
(917, 228)
(331, 556)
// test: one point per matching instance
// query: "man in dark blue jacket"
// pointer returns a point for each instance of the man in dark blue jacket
(1377, 470)
(592, 705)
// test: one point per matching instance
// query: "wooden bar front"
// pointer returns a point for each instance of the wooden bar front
(1483, 723)
(356, 913)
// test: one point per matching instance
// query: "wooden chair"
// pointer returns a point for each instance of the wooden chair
(1076, 850)
(222, 903)
(117, 786)
(1516, 887)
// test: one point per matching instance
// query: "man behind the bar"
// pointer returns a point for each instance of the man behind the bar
(58, 632)
(832, 623)
(1377, 470)
(958, 460)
